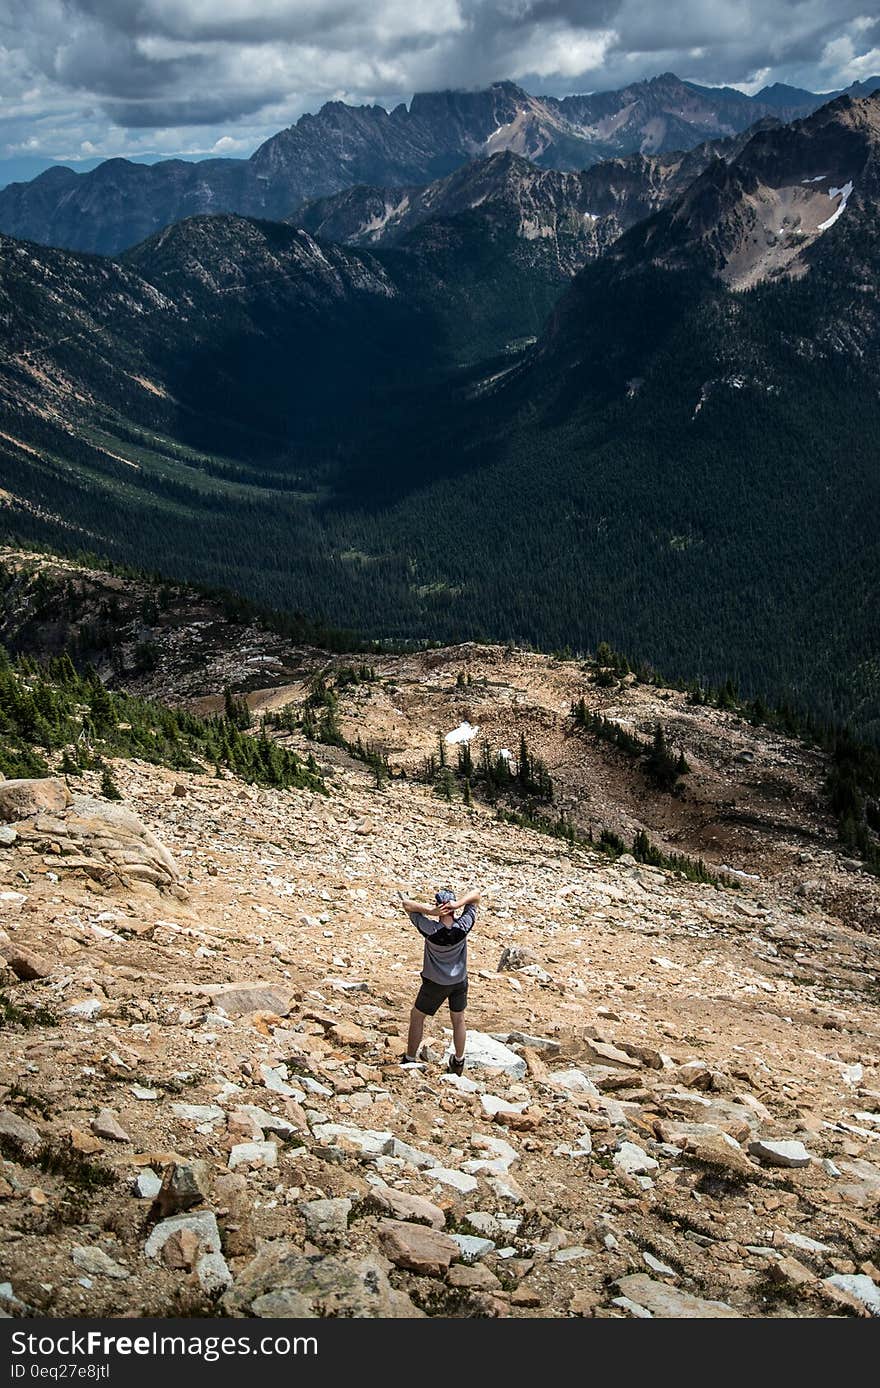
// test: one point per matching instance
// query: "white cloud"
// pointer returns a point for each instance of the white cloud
(167, 76)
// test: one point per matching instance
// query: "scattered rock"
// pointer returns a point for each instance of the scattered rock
(402, 1204)
(184, 1184)
(253, 1155)
(283, 1281)
(416, 1247)
(659, 1299)
(631, 1159)
(473, 1276)
(326, 1218)
(780, 1153)
(24, 963)
(20, 1130)
(863, 1288)
(106, 1124)
(96, 1263)
(485, 1053)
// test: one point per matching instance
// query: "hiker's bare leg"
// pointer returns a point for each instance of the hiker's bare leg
(416, 1031)
(459, 1033)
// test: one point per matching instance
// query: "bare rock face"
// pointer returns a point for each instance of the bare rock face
(282, 1281)
(82, 834)
(25, 798)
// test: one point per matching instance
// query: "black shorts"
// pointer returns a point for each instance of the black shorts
(433, 995)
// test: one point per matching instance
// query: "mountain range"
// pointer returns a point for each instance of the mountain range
(121, 203)
(682, 463)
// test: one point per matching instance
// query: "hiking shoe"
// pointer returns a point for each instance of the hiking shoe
(455, 1066)
(407, 1060)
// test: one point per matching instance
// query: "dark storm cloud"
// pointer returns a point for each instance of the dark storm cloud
(90, 74)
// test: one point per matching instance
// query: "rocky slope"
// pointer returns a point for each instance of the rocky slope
(760, 215)
(671, 1104)
(579, 213)
(753, 805)
(201, 1106)
(120, 203)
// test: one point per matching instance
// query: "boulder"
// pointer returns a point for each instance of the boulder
(326, 1218)
(780, 1153)
(20, 1130)
(106, 1124)
(283, 1281)
(404, 1205)
(659, 1299)
(417, 1248)
(483, 1052)
(24, 963)
(26, 798)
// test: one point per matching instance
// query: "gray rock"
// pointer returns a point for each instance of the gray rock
(253, 1154)
(97, 1263)
(276, 1080)
(412, 1156)
(147, 1184)
(780, 1153)
(471, 1247)
(367, 1141)
(633, 1160)
(806, 1245)
(106, 1124)
(203, 1223)
(328, 1284)
(269, 1122)
(485, 1053)
(8, 836)
(184, 1184)
(534, 1043)
(456, 1180)
(198, 1113)
(573, 1082)
(326, 1218)
(861, 1286)
(23, 1133)
(213, 1274)
(659, 1299)
(285, 1304)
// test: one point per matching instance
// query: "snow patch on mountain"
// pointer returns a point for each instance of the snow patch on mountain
(844, 193)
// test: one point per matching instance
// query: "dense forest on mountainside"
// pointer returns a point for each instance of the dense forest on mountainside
(686, 470)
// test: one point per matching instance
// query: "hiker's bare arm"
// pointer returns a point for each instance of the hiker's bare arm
(412, 906)
(469, 899)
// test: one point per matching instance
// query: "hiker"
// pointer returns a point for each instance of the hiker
(444, 968)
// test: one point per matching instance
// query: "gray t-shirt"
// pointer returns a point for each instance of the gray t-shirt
(445, 958)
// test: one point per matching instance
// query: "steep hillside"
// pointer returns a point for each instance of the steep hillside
(755, 803)
(669, 1105)
(121, 203)
(550, 205)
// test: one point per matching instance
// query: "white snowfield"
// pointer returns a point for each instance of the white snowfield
(844, 194)
(463, 733)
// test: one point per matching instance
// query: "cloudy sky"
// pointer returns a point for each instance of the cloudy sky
(85, 79)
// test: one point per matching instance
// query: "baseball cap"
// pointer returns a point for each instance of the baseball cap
(444, 897)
